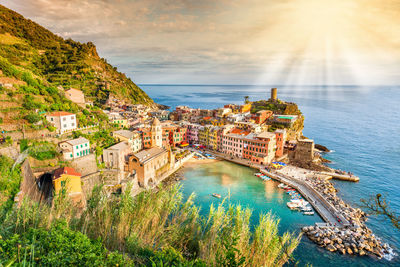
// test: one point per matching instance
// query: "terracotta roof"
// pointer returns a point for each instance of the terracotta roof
(239, 131)
(65, 170)
(206, 118)
(60, 113)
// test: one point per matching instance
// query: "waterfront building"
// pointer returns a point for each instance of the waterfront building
(193, 133)
(213, 138)
(220, 135)
(115, 156)
(203, 135)
(280, 142)
(259, 148)
(75, 148)
(63, 121)
(304, 150)
(76, 96)
(69, 180)
(149, 164)
(232, 142)
(162, 115)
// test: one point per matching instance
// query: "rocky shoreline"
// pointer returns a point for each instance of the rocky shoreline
(356, 239)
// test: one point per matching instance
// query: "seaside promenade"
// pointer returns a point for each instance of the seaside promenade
(325, 209)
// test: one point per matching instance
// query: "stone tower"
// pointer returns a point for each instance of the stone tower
(274, 94)
(156, 133)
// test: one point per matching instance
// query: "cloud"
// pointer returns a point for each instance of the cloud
(246, 41)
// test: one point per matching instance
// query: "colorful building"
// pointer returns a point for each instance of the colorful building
(280, 142)
(260, 148)
(261, 116)
(134, 138)
(149, 164)
(75, 148)
(67, 179)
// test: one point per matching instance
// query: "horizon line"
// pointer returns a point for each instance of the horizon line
(269, 85)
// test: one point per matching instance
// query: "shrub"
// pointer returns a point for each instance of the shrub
(33, 117)
(59, 246)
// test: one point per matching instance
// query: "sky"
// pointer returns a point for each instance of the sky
(284, 42)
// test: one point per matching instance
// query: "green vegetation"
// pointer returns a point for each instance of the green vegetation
(152, 229)
(40, 150)
(9, 181)
(32, 54)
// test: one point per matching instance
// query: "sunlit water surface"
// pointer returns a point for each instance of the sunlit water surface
(361, 125)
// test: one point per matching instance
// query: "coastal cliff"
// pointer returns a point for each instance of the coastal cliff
(32, 55)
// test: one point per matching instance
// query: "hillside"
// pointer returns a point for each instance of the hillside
(26, 47)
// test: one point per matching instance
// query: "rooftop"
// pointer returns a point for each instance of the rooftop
(60, 113)
(77, 141)
(119, 146)
(145, 155)
(125, 133)
(65, 170)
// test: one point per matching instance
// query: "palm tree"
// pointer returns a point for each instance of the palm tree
(246, 99)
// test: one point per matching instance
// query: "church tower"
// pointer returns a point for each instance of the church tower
(156, 133)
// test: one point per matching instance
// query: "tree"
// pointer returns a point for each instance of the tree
(246, 99)
(379, 206)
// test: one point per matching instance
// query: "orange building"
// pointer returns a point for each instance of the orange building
(261, 116)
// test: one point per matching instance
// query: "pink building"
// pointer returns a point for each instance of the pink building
(232, 142)
(193, 133)
(260, 148)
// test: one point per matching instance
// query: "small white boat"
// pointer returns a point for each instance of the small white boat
(310, 213)
(282, 185)
(216, 195)
(292, 205)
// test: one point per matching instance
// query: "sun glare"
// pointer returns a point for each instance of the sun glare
(318, 36)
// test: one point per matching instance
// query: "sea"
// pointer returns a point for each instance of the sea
(360, 125)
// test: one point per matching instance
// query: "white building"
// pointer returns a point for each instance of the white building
(75, 148)
(134, 139)
(63, 121)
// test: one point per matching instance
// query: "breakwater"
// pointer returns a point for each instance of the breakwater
(344, 231)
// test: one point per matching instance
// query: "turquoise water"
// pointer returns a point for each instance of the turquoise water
(361, 125)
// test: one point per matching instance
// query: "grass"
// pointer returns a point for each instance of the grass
(162, 227)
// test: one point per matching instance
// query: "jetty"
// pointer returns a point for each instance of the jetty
(344, 177)
(325, 209)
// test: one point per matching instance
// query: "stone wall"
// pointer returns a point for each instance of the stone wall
(28, 187)
(85, 165)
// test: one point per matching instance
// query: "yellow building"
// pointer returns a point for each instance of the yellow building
(123, 123)
(217, 122)
(203, 135)
(67, 179)
(213, 138)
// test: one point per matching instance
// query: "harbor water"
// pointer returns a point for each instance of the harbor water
(360, 124)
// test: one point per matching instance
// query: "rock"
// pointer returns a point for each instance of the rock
(327, 241)
(342, 251)
(361, 252)
(349, 251)
(331, 248)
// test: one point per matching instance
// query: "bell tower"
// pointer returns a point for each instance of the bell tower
(156, 133)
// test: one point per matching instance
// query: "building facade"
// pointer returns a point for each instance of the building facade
(63, 121)
(75, 148)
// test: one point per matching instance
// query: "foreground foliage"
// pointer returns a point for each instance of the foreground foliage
(151, 229)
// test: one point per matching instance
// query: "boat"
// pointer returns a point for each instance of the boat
(306, 208)
(216, 195)
(281, 185)
(310, 213)
(292, 205)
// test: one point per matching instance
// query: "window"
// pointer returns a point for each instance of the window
(64, 119)
(65, 126)
(72, 124)
(62, 183)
